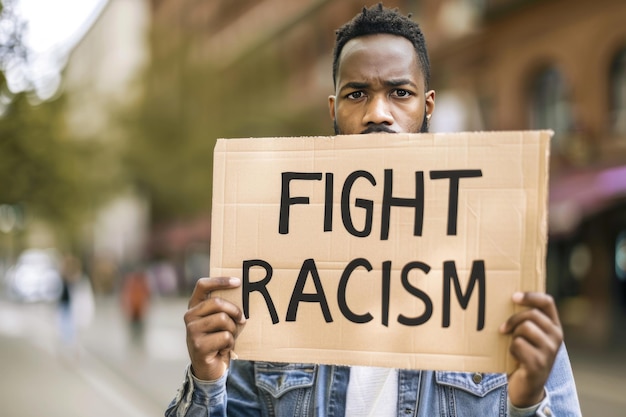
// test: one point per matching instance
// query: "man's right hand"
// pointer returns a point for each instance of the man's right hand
(213, 325)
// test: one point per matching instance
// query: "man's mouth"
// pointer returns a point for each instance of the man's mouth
(377, 129)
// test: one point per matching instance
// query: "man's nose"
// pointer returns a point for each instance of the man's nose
(378, 112)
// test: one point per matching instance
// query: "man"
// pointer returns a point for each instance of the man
(381, 76)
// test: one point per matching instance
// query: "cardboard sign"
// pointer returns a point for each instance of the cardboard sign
(381, 250)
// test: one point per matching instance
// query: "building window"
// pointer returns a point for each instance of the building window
(618, 93)
(550, 107)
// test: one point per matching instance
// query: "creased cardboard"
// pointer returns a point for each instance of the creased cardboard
(385, 250)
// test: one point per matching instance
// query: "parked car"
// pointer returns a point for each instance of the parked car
(35, 277)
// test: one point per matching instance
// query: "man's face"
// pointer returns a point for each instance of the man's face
(380, 88)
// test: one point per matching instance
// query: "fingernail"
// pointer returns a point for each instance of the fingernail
(234, 281)
(502, 328)
(518, 297)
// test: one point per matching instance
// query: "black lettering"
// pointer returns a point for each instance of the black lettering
(477, 275)
(389, 200)
(286, 200)
(368, 205)
(453, 194)
(428, 312)
(308, 267)
(260, 286)
(328, 203)
(341, 291)
(386, 292)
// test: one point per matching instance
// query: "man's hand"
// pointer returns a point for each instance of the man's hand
(213, 325)
(536, 338)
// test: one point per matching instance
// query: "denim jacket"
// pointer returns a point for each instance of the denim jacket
(294, 390)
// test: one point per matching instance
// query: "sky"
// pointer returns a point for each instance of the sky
(53, 28)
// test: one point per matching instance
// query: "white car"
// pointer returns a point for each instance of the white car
(35, 277)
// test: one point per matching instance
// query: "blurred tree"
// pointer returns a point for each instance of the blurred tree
(189, 102)
(167, 155)
(46, 172)
(50, 175)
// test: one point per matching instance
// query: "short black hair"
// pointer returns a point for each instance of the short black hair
(379, 19)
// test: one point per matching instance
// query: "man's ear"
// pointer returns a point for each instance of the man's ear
(430, 102)
(331, 107)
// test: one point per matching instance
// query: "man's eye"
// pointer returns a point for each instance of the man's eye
(355, 95)
(402, 93)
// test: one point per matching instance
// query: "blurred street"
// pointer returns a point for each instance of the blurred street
(109, 375)
(600, 379)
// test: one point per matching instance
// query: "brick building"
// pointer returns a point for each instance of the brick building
(559, 65)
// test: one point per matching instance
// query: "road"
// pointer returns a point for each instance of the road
(109, 375)
(600, 381)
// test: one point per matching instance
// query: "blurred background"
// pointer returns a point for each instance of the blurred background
(109, 111)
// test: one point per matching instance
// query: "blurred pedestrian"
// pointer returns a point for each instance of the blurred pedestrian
(135, 298)
(76, 303)
(66, 323)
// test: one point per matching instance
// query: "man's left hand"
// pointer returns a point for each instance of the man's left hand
(536, 337)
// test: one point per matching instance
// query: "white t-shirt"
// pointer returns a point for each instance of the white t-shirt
(372, 392)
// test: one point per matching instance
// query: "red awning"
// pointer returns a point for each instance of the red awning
(576, 196)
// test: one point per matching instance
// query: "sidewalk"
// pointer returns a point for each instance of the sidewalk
(156, 368)
(600, 381)
(100, 377)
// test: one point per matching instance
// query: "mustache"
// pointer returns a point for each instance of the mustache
(377, 129)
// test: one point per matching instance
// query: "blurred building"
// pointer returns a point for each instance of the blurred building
(496, 65)
(558, 65)
(100, 81)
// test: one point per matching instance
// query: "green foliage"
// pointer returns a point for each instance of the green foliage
(45, 171)
(188, 104)
(54, 177)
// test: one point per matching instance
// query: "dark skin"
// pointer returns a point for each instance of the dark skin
(380, 87)
(213, 325)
